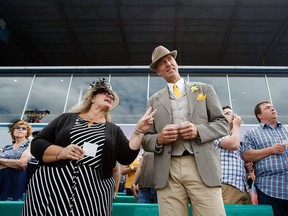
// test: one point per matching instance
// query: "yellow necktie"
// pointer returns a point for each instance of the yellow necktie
(176, 91)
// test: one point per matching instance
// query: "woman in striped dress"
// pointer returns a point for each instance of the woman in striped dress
(77, 152)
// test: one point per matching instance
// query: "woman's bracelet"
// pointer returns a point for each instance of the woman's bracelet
(137, 132)
(59, 153)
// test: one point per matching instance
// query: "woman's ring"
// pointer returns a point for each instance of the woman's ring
(73, 150)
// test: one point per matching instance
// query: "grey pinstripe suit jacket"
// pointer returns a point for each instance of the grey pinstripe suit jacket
(208, 117)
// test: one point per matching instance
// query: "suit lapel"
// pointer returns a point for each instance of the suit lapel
(166, 115)
(191, 99)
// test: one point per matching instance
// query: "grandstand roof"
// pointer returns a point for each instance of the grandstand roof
(124, 32)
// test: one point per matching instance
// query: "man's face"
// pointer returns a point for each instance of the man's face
(229, 115)
(268, 113)
(167, 68)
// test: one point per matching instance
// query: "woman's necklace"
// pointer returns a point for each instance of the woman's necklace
(95, 119)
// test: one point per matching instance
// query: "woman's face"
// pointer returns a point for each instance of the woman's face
(20, 131)
(104, 100)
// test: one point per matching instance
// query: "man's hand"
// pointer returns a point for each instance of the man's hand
(168, 134)
(278, 148)
(135, 190)
(237, 121)
(188, 131)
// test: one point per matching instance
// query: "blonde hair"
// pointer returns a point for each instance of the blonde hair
(21, 122)
(86, 102)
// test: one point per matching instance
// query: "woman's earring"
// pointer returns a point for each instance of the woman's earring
(92, 101)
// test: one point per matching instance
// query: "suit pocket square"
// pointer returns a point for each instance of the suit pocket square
(201, 97)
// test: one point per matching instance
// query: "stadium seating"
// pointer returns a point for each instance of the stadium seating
(13, 208)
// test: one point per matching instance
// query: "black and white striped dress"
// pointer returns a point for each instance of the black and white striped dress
(77, 189)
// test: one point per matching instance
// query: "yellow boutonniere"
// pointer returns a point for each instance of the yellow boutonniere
(201, 97)
(194, 88)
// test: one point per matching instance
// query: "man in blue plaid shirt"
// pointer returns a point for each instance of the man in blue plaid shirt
(234, 180)
(264, 146)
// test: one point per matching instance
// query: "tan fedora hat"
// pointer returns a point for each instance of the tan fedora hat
(158, 53)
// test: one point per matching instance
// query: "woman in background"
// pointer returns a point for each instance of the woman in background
(13, 162)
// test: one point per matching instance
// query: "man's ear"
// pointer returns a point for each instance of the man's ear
(157, 72)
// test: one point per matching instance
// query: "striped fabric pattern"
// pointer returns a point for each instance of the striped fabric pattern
(76, 189)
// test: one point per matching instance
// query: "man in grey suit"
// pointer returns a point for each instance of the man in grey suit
(189, 118)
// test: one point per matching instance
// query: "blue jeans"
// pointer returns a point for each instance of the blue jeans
(280, 207)
(147, 195)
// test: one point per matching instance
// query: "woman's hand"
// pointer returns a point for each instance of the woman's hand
(142, 126)
(71, 151)
(146, 121)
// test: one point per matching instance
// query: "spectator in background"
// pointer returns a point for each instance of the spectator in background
(142, 185)
(186, 165)
(235, 189)
(77, 152)
(122, 182)
(129, 172)
(13, 162)
(264, 146)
